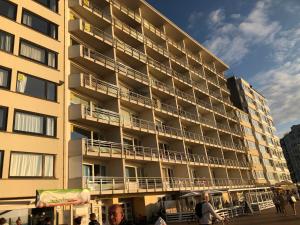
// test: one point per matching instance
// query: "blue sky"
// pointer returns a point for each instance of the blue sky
(259, 40)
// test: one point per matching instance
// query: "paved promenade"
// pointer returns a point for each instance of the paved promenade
(268, 217)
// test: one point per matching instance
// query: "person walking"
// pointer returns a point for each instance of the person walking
(93, 219)
(276, 202)
(205, 212)
(116, 216)
(77, 220)
(19, 221)
(282, 203)
(291, 199)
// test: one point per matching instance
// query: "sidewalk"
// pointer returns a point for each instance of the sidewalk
(268, 217)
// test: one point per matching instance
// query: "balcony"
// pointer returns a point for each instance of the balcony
(139, 124)
(130, 13)
(165, 108)
(212, 80)
(208, 122)
(159, 66)
(180, 61)
(119, 185)
(211, 141)
(156, 47)
(172, 156)
(168, 131)
(154, 30)
(195, 159)
(224, 127)
(135, 98)
(183, 78)
(203, 104)
(88, 84)
(91, 11)
(162, 86)
(84, 113)
(123, 47)
(201, 87)
(85, 31)
(176, 45)
(216, 161)
(128, 30)
(184, 96)
(194, 57)
(193, 136)
(219, 110)
(189, 116)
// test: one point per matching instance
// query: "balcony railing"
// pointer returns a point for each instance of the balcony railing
(163, 86)
(172, 155)
(102, 147)
(96, 9)
(176, 45)
(154, 29)
(150, 184)
(122, 46)
(130, 72)
(216, 160)
(207, 121)
(200, 86)
(184, 95)
(96, 84)
(129, 30)
(219, 110)
(159, 66)
(135, 97)
(211, 140)
(186, 114)
(167, 108)
(179, 61)
(102, 114)
(193, 136)
(212, 80)
(139, 123)
(195, 158)
(203, 103)
(181, 77)
(96, 31)
(161, 49)
(98, 57)
(193, 56)
(134, 15)
(168, 130)
(224, 127)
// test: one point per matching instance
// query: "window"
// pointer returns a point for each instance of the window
(38, 53)
(51, 4)
(39, 24)
(27, 122)
(3, 118)
(5, 76)
(6, 41)
(31, 165)
(8, 9)
(1, 162)
(36, 87)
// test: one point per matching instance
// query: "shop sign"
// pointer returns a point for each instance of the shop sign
(58, 197)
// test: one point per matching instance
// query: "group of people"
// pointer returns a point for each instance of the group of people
(4, 222)
(281, 199)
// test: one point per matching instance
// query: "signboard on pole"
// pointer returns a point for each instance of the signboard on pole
(58, 197)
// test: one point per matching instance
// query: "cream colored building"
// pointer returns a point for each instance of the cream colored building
(265, 154)
(111, 96)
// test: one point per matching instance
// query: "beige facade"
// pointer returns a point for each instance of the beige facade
(112, 96)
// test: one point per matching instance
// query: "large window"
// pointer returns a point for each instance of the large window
(6, 41)
(5, 76)
(1, 162)
(8, 9)
(3, 118)
(31, 165)
(36, 87)
(38, 53)
(31, 123)
(51, 4)
(39, 24)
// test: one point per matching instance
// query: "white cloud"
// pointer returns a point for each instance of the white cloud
(216, 16)
(235, 16)
(235, 39)
(194, 19)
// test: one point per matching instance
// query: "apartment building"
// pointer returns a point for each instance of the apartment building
(112, 96)
(31, 102)
(266, 156)
(290, 144)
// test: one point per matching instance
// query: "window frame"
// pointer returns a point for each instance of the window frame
(15, 13)
(22, 40)
(48, 5)
(44, 124)
(12, 43)
(45, 85)
(43, 165)
(4, 128)
(8, 79)
(1, 162)
(49, 23)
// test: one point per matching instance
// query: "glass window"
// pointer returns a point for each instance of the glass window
(31, 165)
(36, 87)
(34, 124)
(8, 9)
(3, 118)
(5, 75)
(6, 41)
(37, 53)
(39, 24)
(1, 162)
(51, 4)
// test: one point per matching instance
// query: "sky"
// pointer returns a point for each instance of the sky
(258, 39)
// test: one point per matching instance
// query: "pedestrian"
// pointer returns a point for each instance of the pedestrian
(205, 212)
(77, 220)
(276, 202)
(93, 219)
(116, 216)
(282, 203)
(291, 200)
(19, 221)
(2, 221)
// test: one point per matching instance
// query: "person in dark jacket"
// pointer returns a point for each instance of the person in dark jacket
(116, 216)
(93, 219)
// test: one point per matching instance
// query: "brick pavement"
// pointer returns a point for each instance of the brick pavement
(266, 217)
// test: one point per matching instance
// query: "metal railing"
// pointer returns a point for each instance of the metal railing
(211, 140)
(200, 86)
(139, 123)
(203, 103)
(181, 77)
(122, 46)
(195, 158)
(193, 136)
(134, 15)
(188, 115)
(161, 49)
(97, 9)
(168, 130)
(177, 45)
(102, 114)
(172, 155)
(207, 121)
(157, 65)
(129, 30)
(154, 29)
(96, 31)
(105, 60)
(89, 80)
(184, 95)
(135, 97)
(130, 72)
(179, 61)
(163, 86)
(102, 147)
(167, 108)
(216, 160)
